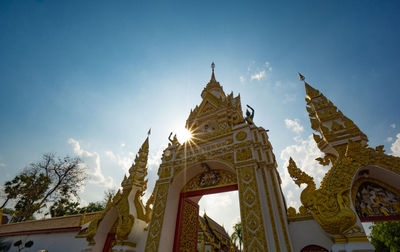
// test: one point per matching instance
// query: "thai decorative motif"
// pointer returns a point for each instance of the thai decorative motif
(220, 134)
(374, 200)
(209, 178)
(249, 115)
(291, 212)
(243, 154)
(250, 210)
(90, 230)
(241, 135)
(212, 236)
(157, 217)
(330, 207)
(215, 178)
(335, 128)
(136, 181)
(345, 147)
(188, 237)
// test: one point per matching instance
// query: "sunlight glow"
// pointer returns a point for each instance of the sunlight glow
(183, 135)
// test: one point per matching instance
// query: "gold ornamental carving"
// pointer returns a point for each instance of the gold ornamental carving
(157, 218)
(188, 237)
(243, 154)
(241, 135)
(250, 210)
(330, 203)
(373, 198)
(210, 179)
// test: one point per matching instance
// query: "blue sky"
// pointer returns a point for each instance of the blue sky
(91, 77)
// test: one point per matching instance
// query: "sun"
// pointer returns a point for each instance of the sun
(183, 135)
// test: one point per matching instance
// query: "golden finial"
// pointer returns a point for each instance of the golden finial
(212, 74)
(302, 78)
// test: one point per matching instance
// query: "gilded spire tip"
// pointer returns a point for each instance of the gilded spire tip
(212, 75)
(302, 78)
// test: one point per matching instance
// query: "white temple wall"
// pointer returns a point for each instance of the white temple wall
(308, 232)
(60, 242)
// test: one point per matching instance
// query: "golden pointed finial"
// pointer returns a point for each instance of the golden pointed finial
(302, 78)
(149, 132)
(212, 75)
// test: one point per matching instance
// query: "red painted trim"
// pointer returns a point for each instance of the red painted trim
(185, 195)
(178, 224)
(107, 244)
(44, 231)
(380, 218)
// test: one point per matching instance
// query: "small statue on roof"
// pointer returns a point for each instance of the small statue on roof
(249, 115)
(173, 141)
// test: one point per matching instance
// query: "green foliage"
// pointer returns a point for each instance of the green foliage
(385, 236)
(50, 180)
(64, 207)
(237, 234)
(93, 207)
(8, 211)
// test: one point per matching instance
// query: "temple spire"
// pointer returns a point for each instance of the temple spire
(334, 127)
(138, 170)
(213, 75)
(213, 86)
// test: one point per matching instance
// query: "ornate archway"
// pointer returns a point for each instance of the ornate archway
(205, 183)
(225, 141)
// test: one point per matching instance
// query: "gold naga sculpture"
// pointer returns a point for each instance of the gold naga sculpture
(345, 147)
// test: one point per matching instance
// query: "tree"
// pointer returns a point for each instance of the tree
(385, 236)
(64, 207)
(93, 207)
(49, 180)
(237, 234)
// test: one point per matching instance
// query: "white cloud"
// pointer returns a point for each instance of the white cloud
(154, 159)
(289, 98)
(258, 76)
(389, 139)
(2, 164)
(393, 126)
(257, 72)
(124, 162)
(304, 152)
(396, 146)
(268, 65)
(294, 125)
(123, 145)
(92, 162)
